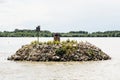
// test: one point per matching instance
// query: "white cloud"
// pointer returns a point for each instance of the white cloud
(59, 15)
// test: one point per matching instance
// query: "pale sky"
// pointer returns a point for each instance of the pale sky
(60, 15)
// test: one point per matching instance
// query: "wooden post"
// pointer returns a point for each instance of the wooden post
(57, 37)
(38, 31)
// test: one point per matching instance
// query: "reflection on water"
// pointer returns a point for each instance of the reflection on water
(91, 70)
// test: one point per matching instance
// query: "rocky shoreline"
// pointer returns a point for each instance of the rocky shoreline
(59, 51)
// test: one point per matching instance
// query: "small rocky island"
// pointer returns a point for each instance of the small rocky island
(68, 50)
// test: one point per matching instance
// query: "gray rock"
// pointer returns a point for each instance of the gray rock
(56, 58)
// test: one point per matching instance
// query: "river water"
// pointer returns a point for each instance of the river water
(91, 70)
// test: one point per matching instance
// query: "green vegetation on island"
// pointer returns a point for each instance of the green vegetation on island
(45, 33)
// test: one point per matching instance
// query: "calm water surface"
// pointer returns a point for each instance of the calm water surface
(91, 70)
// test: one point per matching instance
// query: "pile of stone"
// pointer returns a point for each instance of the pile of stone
(82, 51)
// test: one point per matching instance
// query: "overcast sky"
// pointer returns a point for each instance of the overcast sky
(60, 15)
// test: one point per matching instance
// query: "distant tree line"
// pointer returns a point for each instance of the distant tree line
(45, 33)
